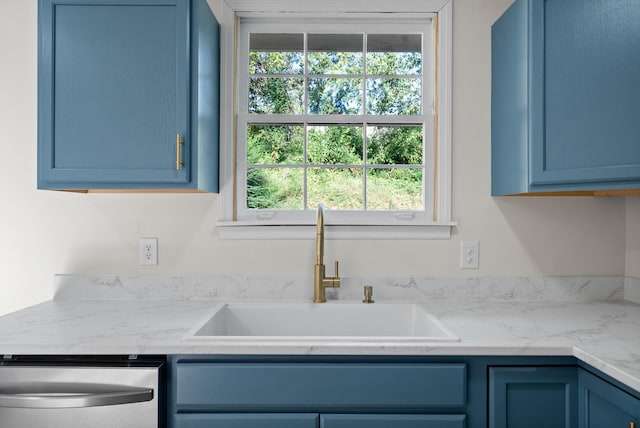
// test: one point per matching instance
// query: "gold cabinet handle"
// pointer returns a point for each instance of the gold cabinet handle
(632, 425)
(179, 144)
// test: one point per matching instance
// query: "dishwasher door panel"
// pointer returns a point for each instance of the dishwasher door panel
(74, 397)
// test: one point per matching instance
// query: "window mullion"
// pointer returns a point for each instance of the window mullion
(365, 163)
(364, 123)
(333, 119)
(305, 103)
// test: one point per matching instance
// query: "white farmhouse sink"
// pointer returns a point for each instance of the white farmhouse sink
(253, 322)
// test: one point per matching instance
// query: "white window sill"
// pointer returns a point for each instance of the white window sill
(256, 230)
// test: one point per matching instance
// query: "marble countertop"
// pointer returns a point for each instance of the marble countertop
(604, 334)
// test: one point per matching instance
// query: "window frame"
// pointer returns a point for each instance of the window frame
(340, 224)
(357, 26)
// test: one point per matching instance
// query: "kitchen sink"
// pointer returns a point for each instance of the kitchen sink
(393, 322)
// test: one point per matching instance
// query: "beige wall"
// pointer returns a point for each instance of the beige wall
(632, 265)
(43, 233)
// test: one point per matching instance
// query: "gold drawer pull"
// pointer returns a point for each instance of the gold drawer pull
(179, 144)
(632, 425)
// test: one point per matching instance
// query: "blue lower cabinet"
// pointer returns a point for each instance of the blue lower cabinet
(603, 405)
(392, 421)
(210, 391)
(243, 420)
(533, 397)
(361, 388)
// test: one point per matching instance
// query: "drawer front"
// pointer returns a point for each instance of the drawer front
(392, 421)
(317, 387)
(237, 420)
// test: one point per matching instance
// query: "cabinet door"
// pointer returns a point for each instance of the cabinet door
(585, 89)
(533, 397)
(392, 421)
(565, 93)
(113, 92)
(602, 405)
(239, 420)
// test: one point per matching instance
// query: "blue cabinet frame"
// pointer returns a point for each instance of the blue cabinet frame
(117, 83)
(393, 392)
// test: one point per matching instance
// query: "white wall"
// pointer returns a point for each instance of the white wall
(43, 233)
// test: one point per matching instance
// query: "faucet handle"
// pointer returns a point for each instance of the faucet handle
(337, 275)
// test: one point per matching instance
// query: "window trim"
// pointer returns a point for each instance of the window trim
(437, 228)
(242, 7)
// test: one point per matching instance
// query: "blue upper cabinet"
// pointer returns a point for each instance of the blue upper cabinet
(128, 95)
(566, 96)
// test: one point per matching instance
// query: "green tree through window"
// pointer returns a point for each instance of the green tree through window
(331, 128)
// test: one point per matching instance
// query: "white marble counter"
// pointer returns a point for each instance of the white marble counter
(115, 314)
(603, 334)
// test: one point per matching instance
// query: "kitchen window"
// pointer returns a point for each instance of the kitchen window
(343, 111)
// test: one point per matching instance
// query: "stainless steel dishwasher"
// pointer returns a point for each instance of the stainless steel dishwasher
(87, 392)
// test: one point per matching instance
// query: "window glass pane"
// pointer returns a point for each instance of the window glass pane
(335, 53)
(331, 145)
(274, 95)
(394, 96)
(335, 188)
(394, 54)
(335, 62)
(276, 63)
(394, 189)
(393, 63)
(394, 145)
(276, 53)
(274, 188)
(335, 96)
(274, 144)
(293, 165)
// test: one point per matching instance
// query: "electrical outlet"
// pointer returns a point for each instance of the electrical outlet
(148, 251)
(469, 255)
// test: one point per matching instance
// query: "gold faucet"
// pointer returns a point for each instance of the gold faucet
(320, 281)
